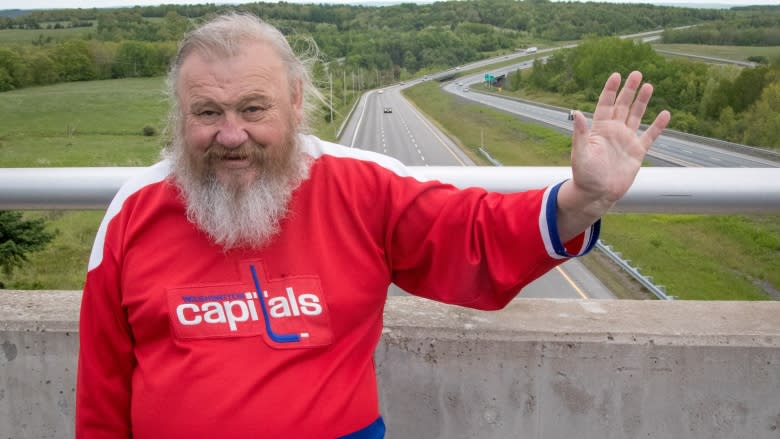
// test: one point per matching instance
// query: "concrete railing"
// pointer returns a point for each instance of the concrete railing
(537, 369)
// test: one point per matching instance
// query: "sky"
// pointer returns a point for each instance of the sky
(52, 4)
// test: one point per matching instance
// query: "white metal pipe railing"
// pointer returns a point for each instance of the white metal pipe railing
(678, 190)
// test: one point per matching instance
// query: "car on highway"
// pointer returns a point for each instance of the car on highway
(388, 110)
(465, 89)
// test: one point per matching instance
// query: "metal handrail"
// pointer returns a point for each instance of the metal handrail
(660, 190)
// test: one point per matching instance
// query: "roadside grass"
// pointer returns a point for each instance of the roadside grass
(702, 257)
(95, 123)
(696, 257)
(504, 136)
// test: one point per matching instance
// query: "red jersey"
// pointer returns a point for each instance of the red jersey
(182, 339)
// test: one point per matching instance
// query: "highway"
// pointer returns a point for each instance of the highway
(385, 122)
(405, 134)
(669, 149)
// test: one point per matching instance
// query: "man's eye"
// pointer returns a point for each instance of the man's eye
(207, 113)
(254, 113)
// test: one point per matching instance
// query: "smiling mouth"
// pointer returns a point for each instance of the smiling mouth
(234, 157)
(235, 161)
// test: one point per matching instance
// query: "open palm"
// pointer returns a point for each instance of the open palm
(607, 156)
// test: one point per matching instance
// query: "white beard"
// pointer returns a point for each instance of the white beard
(237, 215)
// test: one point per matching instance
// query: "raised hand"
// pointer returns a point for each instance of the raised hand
(606, 157)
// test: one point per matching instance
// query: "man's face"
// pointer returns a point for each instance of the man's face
(239, 113)
(235, 156)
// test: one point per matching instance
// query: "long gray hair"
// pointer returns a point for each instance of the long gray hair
(224, 36)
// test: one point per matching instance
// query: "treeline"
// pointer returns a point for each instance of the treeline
(539, 18)
(377, 44)
(739, 105)
(759, 26)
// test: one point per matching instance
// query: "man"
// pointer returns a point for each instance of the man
(236, 288)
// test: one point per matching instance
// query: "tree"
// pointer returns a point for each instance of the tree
(18, 237)
(763, 119)
(16, 71)
(136, 59)
(73, 61)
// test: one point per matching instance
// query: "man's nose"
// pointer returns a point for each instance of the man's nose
(232, 132)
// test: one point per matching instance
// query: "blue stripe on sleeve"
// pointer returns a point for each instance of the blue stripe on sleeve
(551, 212)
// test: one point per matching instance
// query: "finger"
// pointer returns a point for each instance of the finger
(606, 103)
(626, 96)
(579, 137)
(580, 131)
(639, 107)
(652, 132)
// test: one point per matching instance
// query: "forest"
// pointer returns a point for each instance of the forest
(392, 42)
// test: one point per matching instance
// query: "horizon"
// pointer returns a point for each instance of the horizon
(28, 5)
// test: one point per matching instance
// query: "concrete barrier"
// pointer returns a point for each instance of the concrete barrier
(538, 369)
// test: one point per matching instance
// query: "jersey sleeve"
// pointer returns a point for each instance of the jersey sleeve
(106, 358)
(476, 248)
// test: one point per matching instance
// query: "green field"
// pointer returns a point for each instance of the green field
(97, 123)
(702, 257)
(27, 36)
(736, 53)
(100, 123)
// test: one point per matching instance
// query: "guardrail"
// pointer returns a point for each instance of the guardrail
(646, 281)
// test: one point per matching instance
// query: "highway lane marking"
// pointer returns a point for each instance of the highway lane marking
(359, 122)
(571, 282)
(435, 134)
